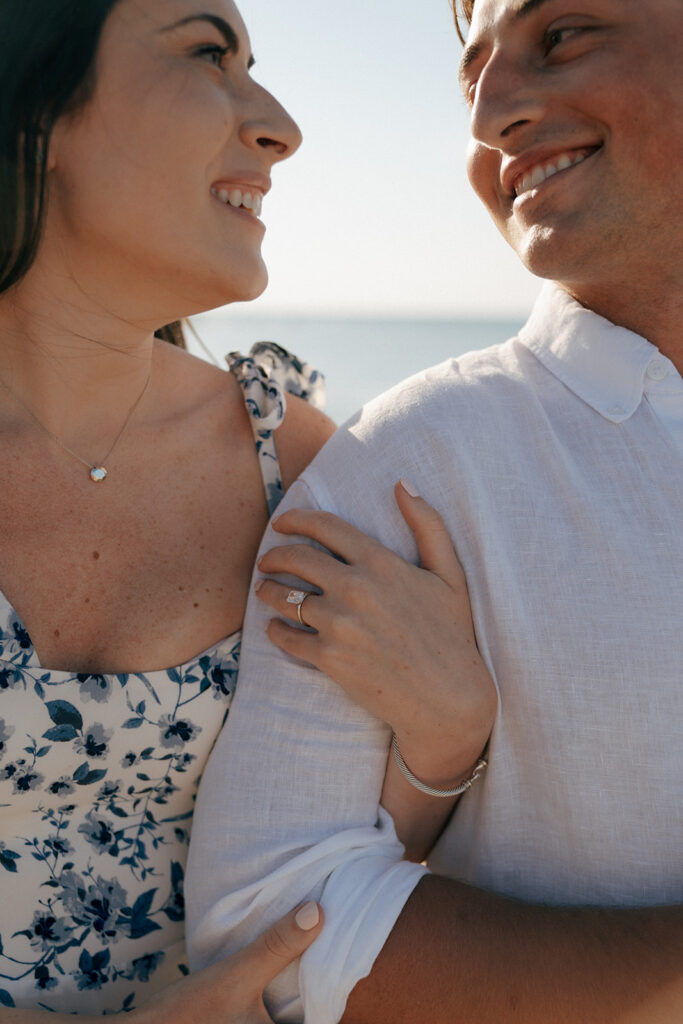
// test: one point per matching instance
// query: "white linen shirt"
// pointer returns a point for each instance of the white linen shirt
(556, 460)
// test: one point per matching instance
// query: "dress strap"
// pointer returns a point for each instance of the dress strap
(266, 376)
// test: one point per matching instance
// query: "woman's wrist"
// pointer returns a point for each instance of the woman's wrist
(450, 790)
(436, 768)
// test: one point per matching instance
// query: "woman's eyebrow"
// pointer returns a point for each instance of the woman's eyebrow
(226, 30)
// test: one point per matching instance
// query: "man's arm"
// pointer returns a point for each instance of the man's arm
(458, 955)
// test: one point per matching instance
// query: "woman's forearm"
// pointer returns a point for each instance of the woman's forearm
(419, 819)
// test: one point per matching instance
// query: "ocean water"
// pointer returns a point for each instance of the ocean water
(360, 357)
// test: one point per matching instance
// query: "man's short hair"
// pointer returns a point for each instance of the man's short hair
(462, 10)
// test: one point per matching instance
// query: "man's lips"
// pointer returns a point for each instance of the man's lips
(526, 173)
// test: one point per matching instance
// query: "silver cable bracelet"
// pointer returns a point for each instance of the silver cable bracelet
(429, 790)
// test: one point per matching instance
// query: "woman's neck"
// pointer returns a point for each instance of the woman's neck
(75, 365)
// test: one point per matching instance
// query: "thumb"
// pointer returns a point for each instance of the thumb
(281, 944)
(434, 544)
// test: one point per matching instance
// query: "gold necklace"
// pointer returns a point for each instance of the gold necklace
(97, 473)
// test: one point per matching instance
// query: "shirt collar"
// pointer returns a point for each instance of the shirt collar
(601, 363)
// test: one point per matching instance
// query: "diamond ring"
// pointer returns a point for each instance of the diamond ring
(298, 597)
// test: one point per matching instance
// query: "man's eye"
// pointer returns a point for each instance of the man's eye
(213, 53)
(469, 91)
(557, 36)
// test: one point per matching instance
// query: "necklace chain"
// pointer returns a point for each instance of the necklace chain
(97, 471)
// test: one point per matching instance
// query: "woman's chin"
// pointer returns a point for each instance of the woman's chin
(246, 284)
(238, 288)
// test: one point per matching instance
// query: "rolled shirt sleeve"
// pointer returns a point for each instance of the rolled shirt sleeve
(288, 810)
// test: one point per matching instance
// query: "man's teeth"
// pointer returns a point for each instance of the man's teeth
(540, 172)
(237, 198)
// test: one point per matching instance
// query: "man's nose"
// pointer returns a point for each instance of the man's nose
(507, 97)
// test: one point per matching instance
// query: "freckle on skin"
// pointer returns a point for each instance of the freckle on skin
(87, 600)
(181, 588)
(196, 605)
(96, 555)
(57, 633)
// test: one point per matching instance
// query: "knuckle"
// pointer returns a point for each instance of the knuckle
(433, 519)
(379, 560)
(277, 942)
(288, 556)
(353, 589)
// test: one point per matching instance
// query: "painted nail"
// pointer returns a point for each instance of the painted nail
(308, 916)
(409, 488)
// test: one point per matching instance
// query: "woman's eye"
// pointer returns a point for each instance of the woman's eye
(213, 53)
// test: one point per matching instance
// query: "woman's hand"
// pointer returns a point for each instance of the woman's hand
(398, 638)
(231, 991)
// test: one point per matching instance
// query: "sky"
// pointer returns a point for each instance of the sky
(374, 215)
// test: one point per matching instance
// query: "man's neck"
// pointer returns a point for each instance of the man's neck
(655, 314)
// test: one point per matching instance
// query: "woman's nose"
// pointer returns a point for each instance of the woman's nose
(270, 127)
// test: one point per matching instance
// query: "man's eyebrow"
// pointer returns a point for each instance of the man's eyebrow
(226, 30)
(472, 52)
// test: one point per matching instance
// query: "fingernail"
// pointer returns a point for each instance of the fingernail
(308, 916)
(258, 585)
(409, 489)
(275, 520)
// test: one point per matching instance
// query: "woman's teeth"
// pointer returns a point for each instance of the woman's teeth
(251, 201)
(540, 172)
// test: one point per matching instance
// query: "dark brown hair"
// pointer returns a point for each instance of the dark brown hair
(47, 59)
(462, 9)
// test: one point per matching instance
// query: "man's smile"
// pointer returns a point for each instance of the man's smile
(543, 170)
(528, 172)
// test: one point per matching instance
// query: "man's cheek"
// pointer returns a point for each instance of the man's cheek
(483, 171)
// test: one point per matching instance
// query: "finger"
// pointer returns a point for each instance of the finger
(333, 533)
(434, 544)
(299, 643)
(280, 945)
(303, 561)
(275, 595)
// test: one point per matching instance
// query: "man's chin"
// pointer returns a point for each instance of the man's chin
(551, 254)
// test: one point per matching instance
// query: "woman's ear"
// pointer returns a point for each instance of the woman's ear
(50, 147)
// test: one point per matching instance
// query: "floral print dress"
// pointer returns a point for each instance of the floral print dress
(98, 776)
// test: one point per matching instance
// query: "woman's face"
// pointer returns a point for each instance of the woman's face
(146, 180)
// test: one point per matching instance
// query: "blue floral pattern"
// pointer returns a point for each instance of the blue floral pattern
(98, 776)
(266, 375)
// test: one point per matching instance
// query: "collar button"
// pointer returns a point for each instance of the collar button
(657, 370)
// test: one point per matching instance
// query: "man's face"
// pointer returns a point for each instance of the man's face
(577, 134)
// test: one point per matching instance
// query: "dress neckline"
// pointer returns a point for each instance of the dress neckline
(8, 613)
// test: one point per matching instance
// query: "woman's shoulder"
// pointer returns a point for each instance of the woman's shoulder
(279, 391)
(284, 393)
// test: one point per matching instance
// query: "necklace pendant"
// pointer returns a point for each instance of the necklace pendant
(98, 474)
